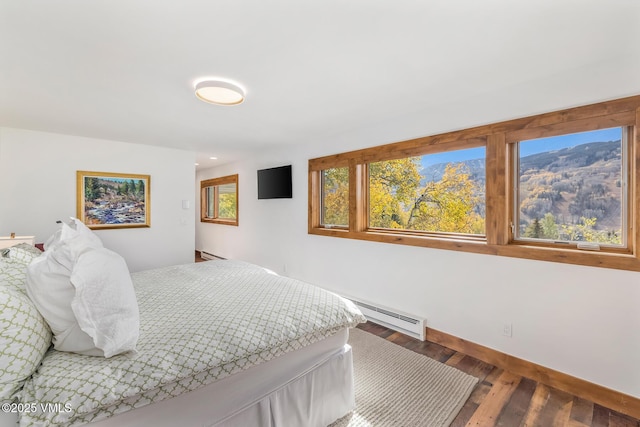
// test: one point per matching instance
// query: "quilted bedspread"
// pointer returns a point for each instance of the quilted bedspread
(199, 323)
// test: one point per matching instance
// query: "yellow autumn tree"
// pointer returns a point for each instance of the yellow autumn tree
(448, 205)
(227, 205)
(397, 201)
(585, 231)
(393, 185)
(335, 190)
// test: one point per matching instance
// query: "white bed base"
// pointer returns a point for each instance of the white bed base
(310, 387)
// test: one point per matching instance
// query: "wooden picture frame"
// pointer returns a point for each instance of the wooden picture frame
(113, 200)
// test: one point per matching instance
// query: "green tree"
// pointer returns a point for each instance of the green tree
(534, 230)
(549, 226)
(91, 189)
(140, 188)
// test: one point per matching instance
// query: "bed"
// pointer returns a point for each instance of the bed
(221, 343)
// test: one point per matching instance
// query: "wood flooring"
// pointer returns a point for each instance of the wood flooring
(502, 398)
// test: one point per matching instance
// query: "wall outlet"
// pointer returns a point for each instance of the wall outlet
(507, 330)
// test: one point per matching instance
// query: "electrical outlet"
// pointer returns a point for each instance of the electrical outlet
(506, 330)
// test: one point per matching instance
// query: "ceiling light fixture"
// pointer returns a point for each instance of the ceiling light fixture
(213, 158)
(220, 92)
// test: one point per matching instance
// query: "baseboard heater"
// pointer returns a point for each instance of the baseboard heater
(407, 324)
(209, 256)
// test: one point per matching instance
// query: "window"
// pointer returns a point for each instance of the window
(219, 200)
(335, 197)
(442, 193)
(571, 189)
(560, 187)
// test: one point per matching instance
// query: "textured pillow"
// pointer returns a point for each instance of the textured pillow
(24, 339)
(13, 265)
(22, 252)
(13, 274)
(105, 303)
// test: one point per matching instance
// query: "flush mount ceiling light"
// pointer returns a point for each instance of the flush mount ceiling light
(219, 92)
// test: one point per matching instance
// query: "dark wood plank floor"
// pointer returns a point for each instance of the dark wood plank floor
(502, 398)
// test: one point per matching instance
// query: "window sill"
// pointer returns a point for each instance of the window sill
(619, 261)
(220, 221)
(473, 244)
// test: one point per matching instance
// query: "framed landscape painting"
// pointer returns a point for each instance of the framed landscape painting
(113, 200)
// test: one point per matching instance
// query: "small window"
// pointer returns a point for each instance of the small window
(571, 189)
(438, 193)
(335, 197)
(219, 200)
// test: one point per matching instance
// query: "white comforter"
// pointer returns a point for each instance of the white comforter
(199, 323)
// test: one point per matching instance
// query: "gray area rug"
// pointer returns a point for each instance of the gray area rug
(397, 387)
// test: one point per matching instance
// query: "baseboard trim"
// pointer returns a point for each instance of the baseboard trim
(607, 397)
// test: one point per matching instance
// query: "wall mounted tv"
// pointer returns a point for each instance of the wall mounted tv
(275, 183)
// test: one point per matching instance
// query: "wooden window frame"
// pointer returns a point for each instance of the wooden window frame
(215, 183)
(498, 140)
(514, 138)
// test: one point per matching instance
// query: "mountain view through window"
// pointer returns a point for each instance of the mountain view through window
(570, 187)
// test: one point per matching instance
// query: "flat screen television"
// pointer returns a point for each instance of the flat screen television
(275, 183)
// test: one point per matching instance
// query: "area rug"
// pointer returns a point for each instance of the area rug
(397, 387)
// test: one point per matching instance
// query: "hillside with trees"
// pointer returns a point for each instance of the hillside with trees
(579, 189)
(570, 194)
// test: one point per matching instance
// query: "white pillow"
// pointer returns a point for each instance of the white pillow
(48, 280)
(73, 228)
(67, 243)
(50, 287)
(105, 304)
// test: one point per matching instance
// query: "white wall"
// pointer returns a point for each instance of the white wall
(38, 187)
(583, 321)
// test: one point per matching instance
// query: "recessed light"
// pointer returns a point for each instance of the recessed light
(197, 164)
(213, 158)
(220, 92)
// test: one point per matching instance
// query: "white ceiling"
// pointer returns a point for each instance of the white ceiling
(313, 70)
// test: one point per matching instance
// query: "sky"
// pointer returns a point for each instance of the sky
(533, 146)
